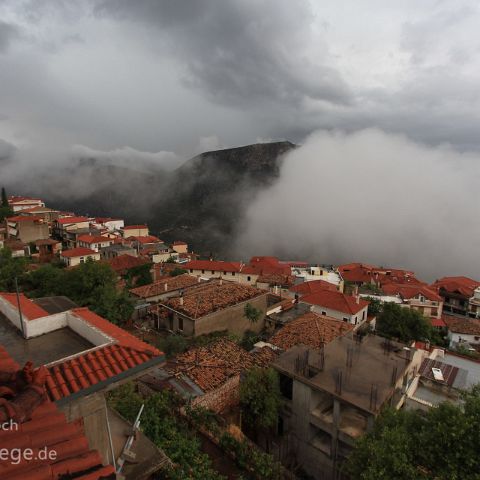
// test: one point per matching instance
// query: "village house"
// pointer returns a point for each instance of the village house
(94, 242)
(26, 228)
(474, 304)
(84, 356)
(216, 305)
(346, 308)
(209, 376)
(48, 249)
(332, 395)
(111, 224)
(312, 286)
(180, 247)
(456, 293)
(135, 231)
(48, 214)
(17, 203)
(65, 225)
(18, 248)
(462, 332)
(78, 255)
(164, 288)
(117, 250)
(307, 273)
(417, 297)
(214, 269)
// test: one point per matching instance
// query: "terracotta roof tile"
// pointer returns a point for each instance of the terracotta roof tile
(124, 262)
(208, 297)
(49, 429)
(310, 329)
(410, 291)
(93, 239)
(467, 326)
(313, 286)
(30, 310)
(336, 301)
(215, 265)
(164, 285)
(68, 220)
(462, 285)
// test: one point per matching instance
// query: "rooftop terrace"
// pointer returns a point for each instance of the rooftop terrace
(362, 373)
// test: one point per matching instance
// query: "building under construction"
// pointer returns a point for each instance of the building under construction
(333, 394)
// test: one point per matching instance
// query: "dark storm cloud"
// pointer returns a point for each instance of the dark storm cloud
(240, 52)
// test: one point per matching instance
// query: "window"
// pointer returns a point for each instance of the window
(180, 323)
(477, 339)
(286, 386)
(82, 260)
(345, 319)
(224, 273)
(324, 312)
(233, 274)
(213, 272)
(203, 271)
(249, 278)
(191, 270)
(363, 315)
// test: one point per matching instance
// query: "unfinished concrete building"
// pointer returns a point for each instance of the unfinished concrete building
(333, 395)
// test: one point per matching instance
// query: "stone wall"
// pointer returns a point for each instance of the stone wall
(222, 398)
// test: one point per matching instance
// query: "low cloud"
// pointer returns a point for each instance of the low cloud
(372, 197)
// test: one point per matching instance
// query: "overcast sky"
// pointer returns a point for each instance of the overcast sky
(189, 75)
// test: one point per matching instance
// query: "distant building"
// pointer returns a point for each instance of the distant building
(48, 249)
(17, 203)
(111, 224)
(215, 269)
(94, 242)
(180, 247)
(48, 214)
(26, 228)
(135, 231)
(417, 297)
(462, 331)
(63, 225)
(474, 304)
(456, 293)
(117, 250)
(212, 306)
(76, 256)
(333, 394)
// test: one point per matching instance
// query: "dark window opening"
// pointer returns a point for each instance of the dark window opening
(286, 386)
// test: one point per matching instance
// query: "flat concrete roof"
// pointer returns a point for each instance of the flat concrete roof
(373, 366)
(43, 349)
(54, 305)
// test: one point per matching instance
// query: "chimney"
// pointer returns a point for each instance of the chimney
(220, 282)
(181, 300)
(357, 299)
(166, 286)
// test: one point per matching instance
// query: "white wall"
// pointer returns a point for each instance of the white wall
(87, 331)
(456, 338)
(353, 319)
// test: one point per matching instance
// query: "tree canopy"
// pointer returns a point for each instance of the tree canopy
(441, 444)
(10, 268)
(260, 397)
(404, 324)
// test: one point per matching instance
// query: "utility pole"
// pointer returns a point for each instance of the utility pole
(22, 327)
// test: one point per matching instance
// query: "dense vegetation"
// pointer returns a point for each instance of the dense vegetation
(404, 324)
(91, 284)
(168, 431)
(441, 444)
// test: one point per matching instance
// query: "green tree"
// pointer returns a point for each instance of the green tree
(260, 398)
(177, 271)
(402, 323)
(44, 281)
(10, 268)
(173, 345)
(139, 275)
(440, 444)
(5, 209)
(4, 198)
(249, 339)
(251, 313)
(375, 305)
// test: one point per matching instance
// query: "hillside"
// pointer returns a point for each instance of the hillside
(202, 201)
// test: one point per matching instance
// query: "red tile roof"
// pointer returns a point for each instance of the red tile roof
(84, 370)
(313, 287)
(215, 265)
(208, 297)
(438, 322)
(310, 329)
(164, 285)
(410, 291)
(124, 262)
(467, 326)
(48, 430)
(25, 218)
(78, 252)
(93, 239)
(336, 301)
(179, 242)
(68, 220)
(211, 366)
(145, 239)
(462, 285)
(134, 227)
(30, 310)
